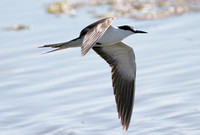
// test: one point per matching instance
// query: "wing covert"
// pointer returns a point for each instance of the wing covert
(94, 32)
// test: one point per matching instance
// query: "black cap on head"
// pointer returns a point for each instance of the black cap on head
(127, 27)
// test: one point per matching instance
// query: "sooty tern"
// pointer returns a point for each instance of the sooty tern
(105, 40)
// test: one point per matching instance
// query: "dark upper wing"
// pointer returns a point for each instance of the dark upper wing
(93, 33)
(121, 58)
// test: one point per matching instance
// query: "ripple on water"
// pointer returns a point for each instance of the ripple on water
(63, 93)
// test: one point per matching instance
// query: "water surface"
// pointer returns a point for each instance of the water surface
(63, 93)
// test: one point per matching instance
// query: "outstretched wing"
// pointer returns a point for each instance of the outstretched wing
(94, 32)
(121, 58)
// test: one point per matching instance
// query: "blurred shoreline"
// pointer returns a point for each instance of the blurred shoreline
(137, 9)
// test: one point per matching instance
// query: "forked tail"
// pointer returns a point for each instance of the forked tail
(72, 43)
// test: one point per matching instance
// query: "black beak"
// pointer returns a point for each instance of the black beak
(139, 31)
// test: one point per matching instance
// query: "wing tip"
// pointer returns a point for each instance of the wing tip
(43, 46)
(40, 46)
(83, 53)
(125, 126)
(112, 17)
(84, 50)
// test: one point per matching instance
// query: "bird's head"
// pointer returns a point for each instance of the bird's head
(130, 29)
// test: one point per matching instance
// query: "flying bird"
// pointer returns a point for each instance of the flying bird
(106, 41)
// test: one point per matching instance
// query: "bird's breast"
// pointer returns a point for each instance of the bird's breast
(111, 36)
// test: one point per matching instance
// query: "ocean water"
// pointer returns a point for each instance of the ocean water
(63, 93)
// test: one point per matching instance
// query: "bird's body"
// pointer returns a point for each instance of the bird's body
(113, 35)
(105, 40)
